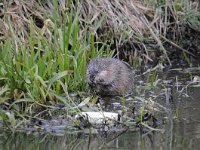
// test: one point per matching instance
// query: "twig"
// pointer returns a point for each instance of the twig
(175, 45)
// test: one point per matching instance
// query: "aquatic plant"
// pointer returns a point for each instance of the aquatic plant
(42, 65)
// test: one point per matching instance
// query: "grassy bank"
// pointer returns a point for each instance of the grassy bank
(45, 46)
(41, 66)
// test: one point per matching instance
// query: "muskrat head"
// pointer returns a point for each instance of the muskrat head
(98, 82)
(97, 75)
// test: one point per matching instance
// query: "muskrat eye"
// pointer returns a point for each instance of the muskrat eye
(90, 85)
(96, 71)
(101, 81)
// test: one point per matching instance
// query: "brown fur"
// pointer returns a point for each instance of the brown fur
(110, 76)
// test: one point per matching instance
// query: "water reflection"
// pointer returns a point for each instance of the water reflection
(182, 131)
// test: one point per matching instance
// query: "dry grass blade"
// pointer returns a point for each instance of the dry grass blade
(123, 17)
(120, 15)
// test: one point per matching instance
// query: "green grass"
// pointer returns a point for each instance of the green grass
(47, 67)
(38, 67)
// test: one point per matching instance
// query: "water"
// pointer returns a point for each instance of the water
(181, 131)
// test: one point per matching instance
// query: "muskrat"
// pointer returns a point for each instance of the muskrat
(110, 76)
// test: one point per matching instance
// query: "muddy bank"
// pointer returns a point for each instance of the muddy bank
(181, 126)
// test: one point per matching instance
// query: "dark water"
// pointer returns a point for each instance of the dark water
(181, 131)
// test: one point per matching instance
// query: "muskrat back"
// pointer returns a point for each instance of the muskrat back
(110, 76)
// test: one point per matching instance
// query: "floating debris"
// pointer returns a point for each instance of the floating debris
(98, 117)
